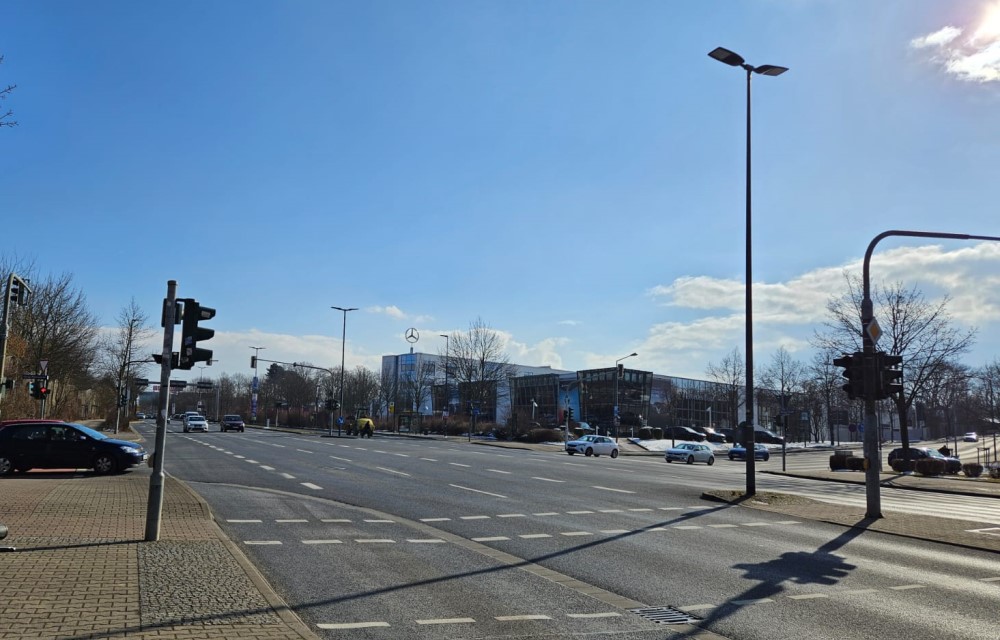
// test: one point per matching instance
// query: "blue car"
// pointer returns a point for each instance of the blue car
(739, 452)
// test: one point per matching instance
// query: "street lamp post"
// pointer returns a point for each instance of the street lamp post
(447, 389)
(255, 385)
(343, 345)
(614, 417)
(735, 60)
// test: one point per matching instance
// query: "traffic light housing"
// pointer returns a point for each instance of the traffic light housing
(192, 333)
(253, 362)
(43, 391)
(854, 369)
(621, 371)
(34, 389)
(890, 375)
(569, 413)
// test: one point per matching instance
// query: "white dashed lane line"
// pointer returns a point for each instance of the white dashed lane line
(615, 490)
(546, 479)
(351, 625)
(398, 473)
(309, 485)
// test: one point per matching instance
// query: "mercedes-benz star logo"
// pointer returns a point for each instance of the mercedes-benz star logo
(411, 335)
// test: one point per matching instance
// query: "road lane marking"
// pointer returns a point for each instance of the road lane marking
(546, 513)
(610, 614)
(576, 533)
(303, 451)
(459, 464)
(473, 517)
(287, 520)
(240, 457)
(671, 508)
(523, 617)
(394, 471)
(491, 539)
(642, 509)
(435, 519)
(288, 475)
(577, 513)
(495, 495)
(529, 536)
(341, 459)
(427, 540)
(252, 461)
(266, 468)
(809, 596)
(756, 524)
(402, 455)
(351, 625)
(752, 601)
(614, 531)
(610, 510)
(499, 471)
(446, 621)
(366, 540)
(723, 526)
(429, 459)
(334, 520)
(322, 542)
(512, 515)
(309, 485)
(546, 479)
(260, 542)
(857, 592)
(373, 520)
(989, 579)
(615, 490)
(687, 527)
(243, 521)
(907, 587)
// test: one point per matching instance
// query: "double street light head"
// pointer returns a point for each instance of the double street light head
(736, 60)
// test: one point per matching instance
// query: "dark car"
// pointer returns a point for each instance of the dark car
(231, 422)
(683, 433)
(64, 445)
(739, 452)
(952, 465)
(713, 435)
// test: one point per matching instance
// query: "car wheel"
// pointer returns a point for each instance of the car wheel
(571, 452)
(711, 461)
(6, 466)
(668, 460)
(767, 457)
(690, 460)
(732, 457)
(589, 452)
(614, 453)
(105, 464)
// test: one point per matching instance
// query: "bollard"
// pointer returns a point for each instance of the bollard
(3, 534)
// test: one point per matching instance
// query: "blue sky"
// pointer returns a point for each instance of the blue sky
(572, 172)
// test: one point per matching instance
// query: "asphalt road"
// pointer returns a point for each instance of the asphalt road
(390, 538)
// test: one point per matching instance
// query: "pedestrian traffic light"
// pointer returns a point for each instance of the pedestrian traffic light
(854, 372)
(569, 413)
(33, 388)
(43, 390)
(174, 359)
(890, 375)
(192, 334)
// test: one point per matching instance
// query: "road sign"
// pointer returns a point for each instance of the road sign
(874, 331)
(206, 385)
(34, 376)
(178, 384)
(141, 382)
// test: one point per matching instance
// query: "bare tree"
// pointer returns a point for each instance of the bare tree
(388, 390)
(480, 366)
(362, 389)
(5, 120)
(58, 328)
(118, 355)
(920, 331)
(730, 372)
(783, 375)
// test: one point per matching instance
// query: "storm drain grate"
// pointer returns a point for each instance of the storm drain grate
(666, 615)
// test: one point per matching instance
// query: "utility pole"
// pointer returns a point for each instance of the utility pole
(155, 505)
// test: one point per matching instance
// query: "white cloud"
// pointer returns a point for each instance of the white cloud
(939, 38)
(975, 58)
(392, 311)
(571, 323)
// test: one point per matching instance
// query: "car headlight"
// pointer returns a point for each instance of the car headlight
(128, 449)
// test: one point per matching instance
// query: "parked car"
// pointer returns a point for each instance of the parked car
(739, 452)
(231, 422)
(953, 465)
(140, 416)
(592, 445)
(683, 433)
(713, 435)
(690, 453)
(971, 436)
(64, 445)
(768, 437)
(195, 423)
(727, 434)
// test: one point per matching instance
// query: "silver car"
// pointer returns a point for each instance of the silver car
(195, 423)
(593, 446)
(690, 453)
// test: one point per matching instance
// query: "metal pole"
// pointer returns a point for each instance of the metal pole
(447, 389)
(749, 437)
(154, 506)
(343, 346)
(254, 385)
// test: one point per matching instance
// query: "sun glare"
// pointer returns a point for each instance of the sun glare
(989, 28)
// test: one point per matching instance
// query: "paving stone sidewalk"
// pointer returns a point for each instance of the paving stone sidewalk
(82, 568)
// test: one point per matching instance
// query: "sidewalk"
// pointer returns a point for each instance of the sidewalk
(83, 570)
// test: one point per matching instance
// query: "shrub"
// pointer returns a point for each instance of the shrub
(544, 435)
(994, 470)
(657, 433)
(972, 469)
(930, 467)
(646, 433)
(838, 461)
(856, 464)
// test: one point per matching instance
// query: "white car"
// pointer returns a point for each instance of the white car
(972, 436)
(593, 446)
(195, 423)
(690, 453)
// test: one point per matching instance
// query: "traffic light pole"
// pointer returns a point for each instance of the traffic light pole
(154, 507)
(873, 459)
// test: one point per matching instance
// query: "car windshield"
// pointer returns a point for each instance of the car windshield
(96, 435)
